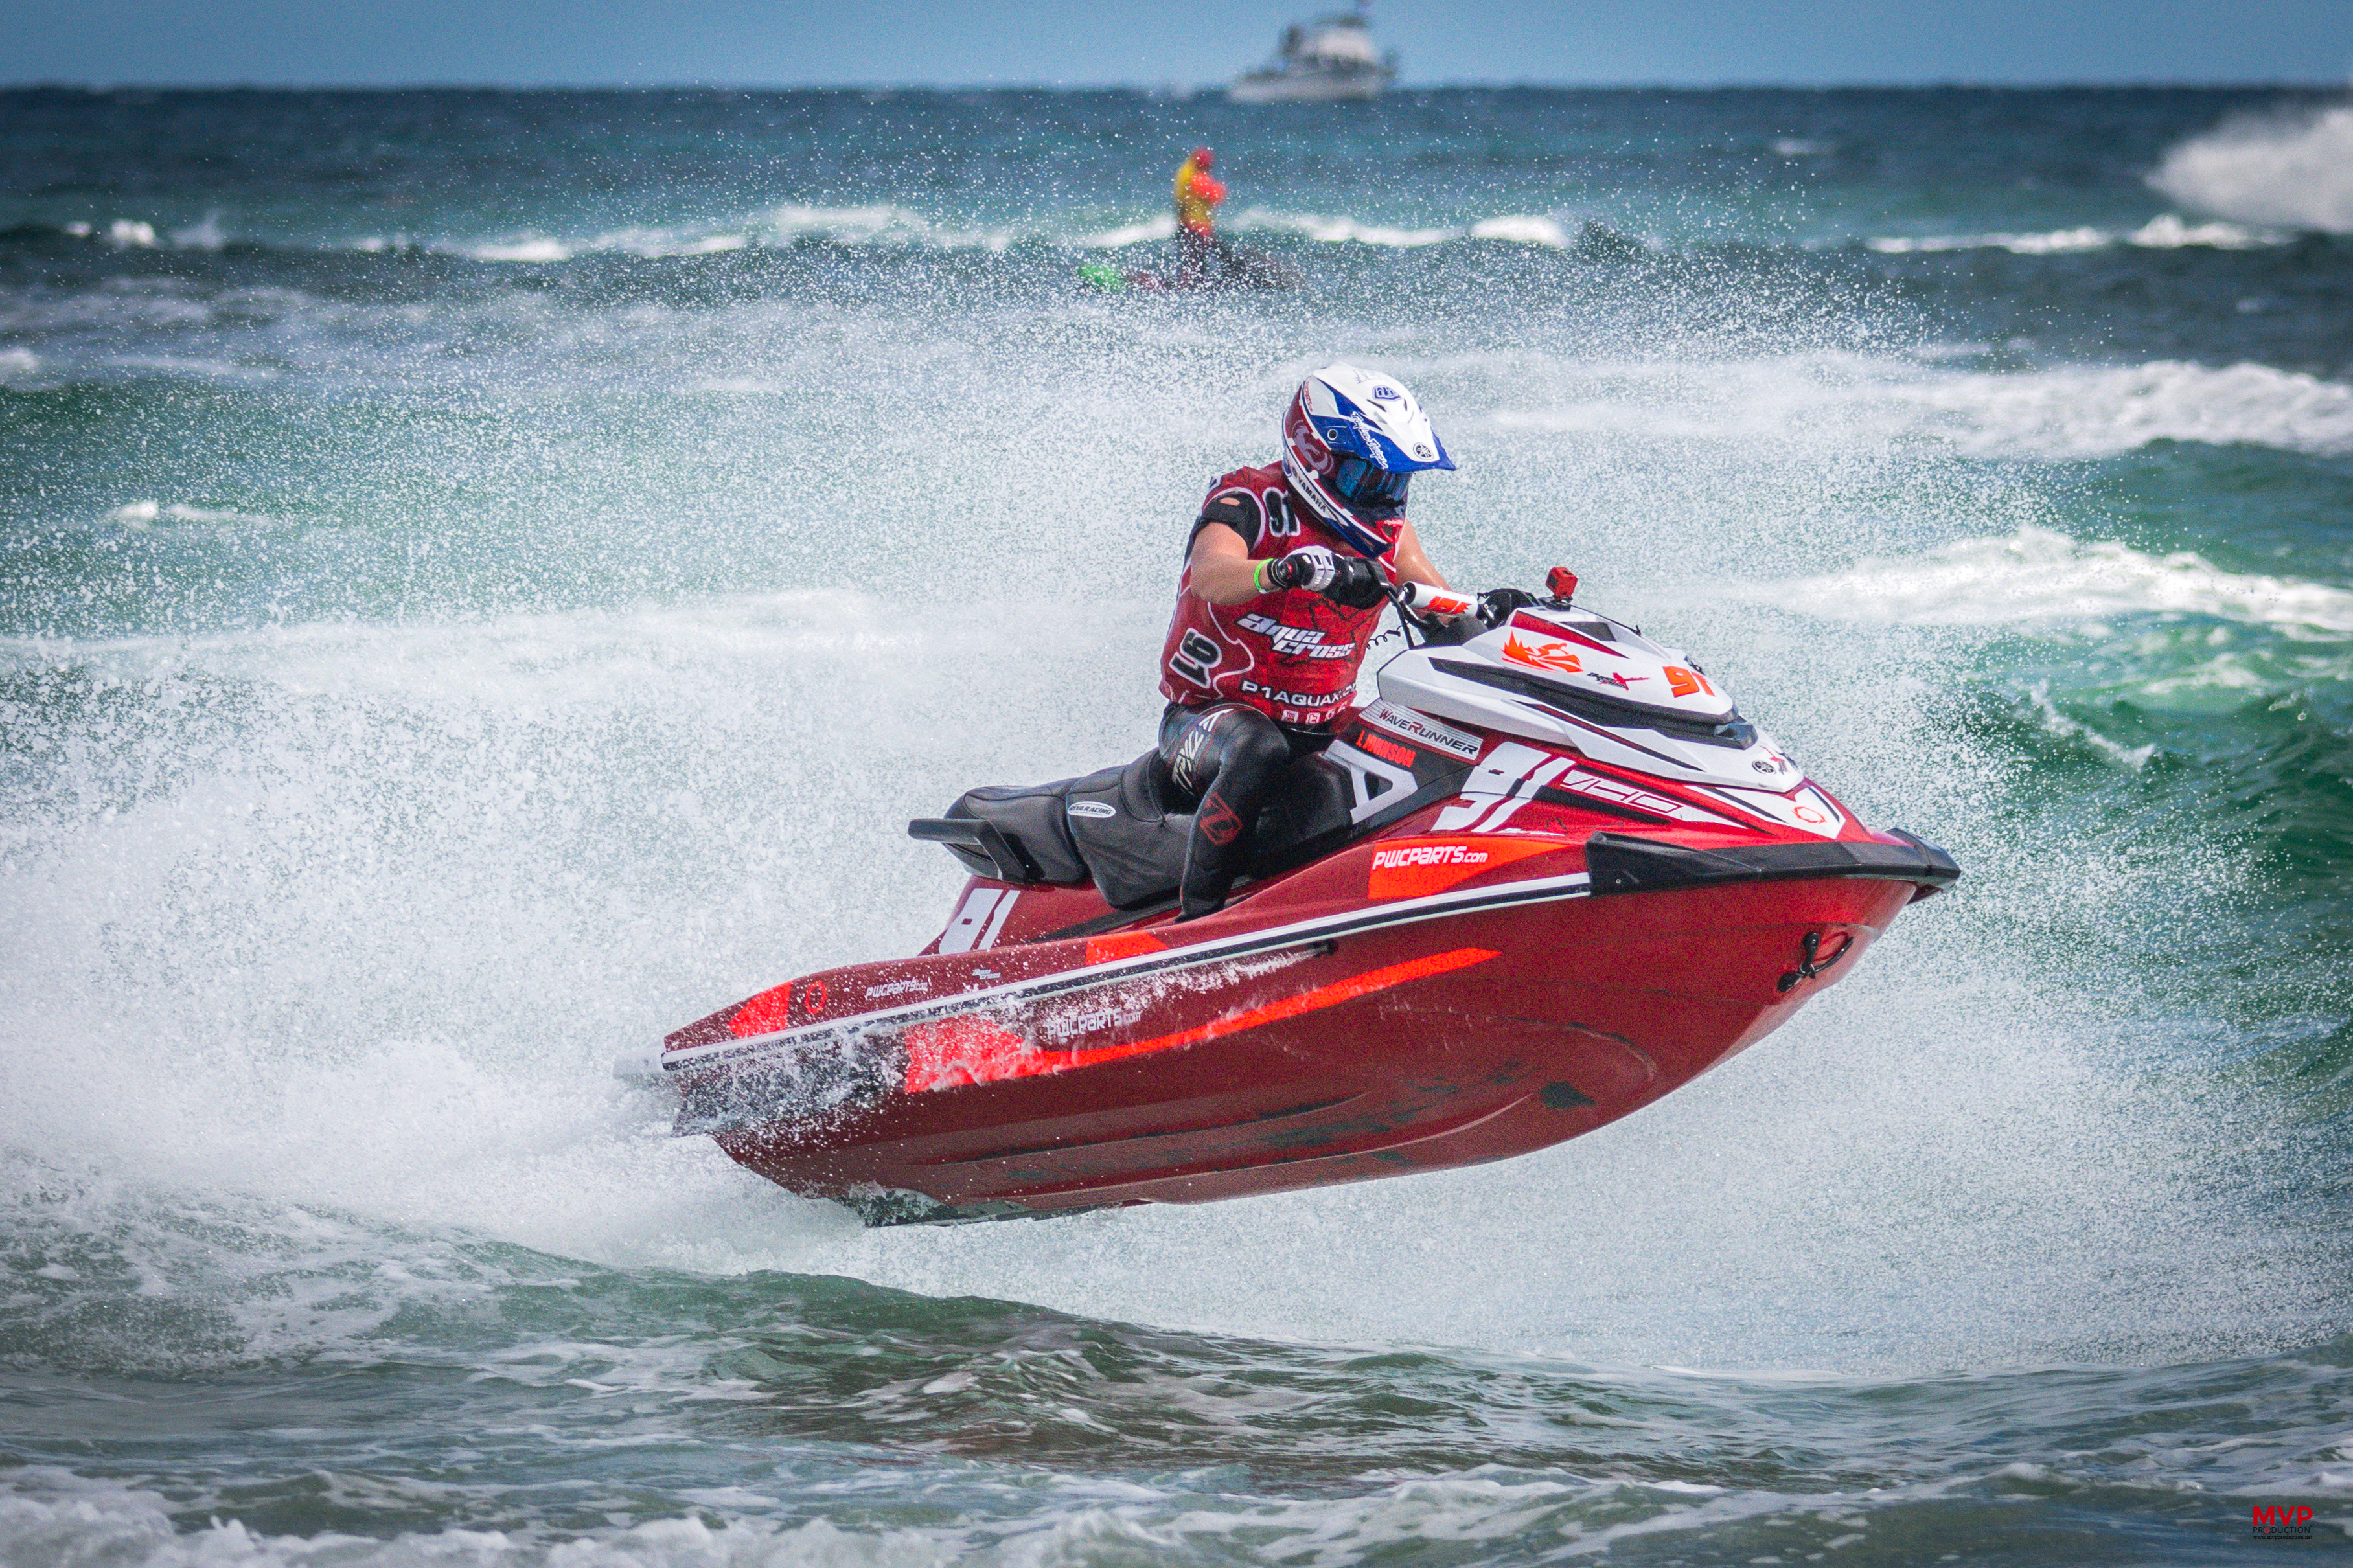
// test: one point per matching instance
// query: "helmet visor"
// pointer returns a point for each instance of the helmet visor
(1368, 488)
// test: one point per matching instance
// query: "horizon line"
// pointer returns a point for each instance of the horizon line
(1181, 92)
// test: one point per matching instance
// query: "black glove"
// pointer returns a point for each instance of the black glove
(1497, 604)
(1357, 585)
(1349, 580)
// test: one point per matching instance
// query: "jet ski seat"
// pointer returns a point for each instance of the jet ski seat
(1124, 828)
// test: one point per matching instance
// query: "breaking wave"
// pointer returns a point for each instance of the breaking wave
(2037, 576)
(2054, 415)
(1520, 228)
(2094, 412)
(900, 226)
(2295, 172)
(881, 224)
(2165, 231)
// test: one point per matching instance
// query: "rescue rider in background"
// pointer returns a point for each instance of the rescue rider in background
(1284, 580)
(1198, 249)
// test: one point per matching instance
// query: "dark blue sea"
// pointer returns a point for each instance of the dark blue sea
(485, 576)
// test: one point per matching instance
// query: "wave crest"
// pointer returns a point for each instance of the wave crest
(2296, 171)
(2060, 415)
(2100, 413)
(2167, 231)
(2039, 575)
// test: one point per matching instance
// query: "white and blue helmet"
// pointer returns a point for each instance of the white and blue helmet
(1352, 440)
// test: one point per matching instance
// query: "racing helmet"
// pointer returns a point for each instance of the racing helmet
(1351, 441)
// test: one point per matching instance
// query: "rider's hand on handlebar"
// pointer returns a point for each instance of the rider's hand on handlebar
(1497, 604)
(1357, 585)
(1348, 580)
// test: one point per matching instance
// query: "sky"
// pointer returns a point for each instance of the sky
(789, 42)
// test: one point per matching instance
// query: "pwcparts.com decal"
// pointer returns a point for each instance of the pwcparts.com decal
(1410, 868)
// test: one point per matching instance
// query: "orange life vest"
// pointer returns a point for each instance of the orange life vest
(1197, 193)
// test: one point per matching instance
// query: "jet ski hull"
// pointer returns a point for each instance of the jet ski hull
(1455, 1040)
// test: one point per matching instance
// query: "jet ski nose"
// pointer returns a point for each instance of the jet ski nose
(641, 1066)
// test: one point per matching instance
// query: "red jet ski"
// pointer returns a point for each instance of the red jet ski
(1550, 875)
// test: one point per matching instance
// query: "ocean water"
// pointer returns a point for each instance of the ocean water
(484, 576)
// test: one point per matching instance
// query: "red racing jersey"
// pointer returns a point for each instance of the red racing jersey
(1290, 653)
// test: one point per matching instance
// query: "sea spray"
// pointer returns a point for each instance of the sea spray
(2293, 170)
(429, 675)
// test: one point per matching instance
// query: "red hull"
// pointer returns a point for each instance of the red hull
(1589, 1010)
(1345, 1023)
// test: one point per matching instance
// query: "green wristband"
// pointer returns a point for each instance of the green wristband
(1258, 576)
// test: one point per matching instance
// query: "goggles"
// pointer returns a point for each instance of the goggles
(1370, 488)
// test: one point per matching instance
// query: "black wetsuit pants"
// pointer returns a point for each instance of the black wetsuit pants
(1227, 754)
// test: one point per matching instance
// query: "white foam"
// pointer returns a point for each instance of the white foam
(18, 364)
(2053, 721)
(50, 1515)
(1840, 401)
(2058, 243)
(1163, 227)
(205, 236)
(1342, 230)
(285, 1078)
(128, 234)
(661, 242)
(2098, 412)
(2167, 231)
(2023, 243)
(2039, 576)
(2295, 170)
(180, 511)
(214, 369)
(1522, 229)
(892, 224)
(141, 513)
(522, 250)
(881, 224)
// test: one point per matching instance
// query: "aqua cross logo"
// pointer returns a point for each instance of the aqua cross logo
(1294, 642)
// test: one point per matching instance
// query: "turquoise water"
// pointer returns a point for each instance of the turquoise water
(483, 578)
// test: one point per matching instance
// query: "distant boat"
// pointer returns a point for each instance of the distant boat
(1321, 61)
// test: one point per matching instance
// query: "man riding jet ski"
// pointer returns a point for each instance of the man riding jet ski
(1198, 249)
(1549, 874)
(1285, 576)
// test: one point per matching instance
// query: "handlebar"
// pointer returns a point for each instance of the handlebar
(1425, 600)
(1426, 609)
